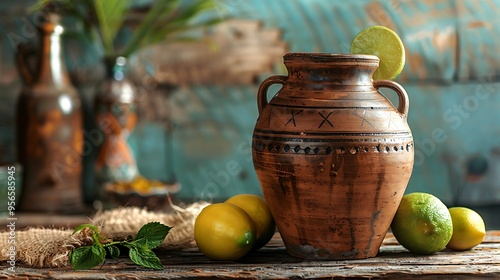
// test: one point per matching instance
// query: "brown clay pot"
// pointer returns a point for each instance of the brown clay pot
(332, 154)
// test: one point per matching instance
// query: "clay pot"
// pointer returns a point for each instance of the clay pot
(332, 154)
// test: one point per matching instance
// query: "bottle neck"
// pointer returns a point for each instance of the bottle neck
(115, 67)
(52, 67)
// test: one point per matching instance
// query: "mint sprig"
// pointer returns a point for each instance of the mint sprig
(150, 236)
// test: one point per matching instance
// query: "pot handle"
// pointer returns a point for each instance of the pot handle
(264, 86)
(404, 102)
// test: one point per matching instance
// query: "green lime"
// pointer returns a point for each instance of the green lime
(422, 223)
(386, 45)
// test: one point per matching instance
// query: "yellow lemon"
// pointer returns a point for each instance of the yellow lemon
(468, 229)
(422, 223)
(256, 207)
(223, 231)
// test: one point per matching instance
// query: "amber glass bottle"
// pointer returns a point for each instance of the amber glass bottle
(49, 129)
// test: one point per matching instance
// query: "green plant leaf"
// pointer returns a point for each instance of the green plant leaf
(87, 257)
(110, 15)
(163, 21)
(145, 257)
(56, 4)
(151, 235)
(106, 18)
(114, 251)
(140, 247)
(158, 10)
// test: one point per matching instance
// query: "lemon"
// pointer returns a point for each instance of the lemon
(422, 223)
(386, 45)
(468, 229)
(256, 207)
(223, 231)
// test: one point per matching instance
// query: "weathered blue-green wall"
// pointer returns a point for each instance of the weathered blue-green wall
(451, 77)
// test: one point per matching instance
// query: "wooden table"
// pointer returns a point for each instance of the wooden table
(272, 262)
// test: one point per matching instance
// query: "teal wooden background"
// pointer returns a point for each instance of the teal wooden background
(451, 77)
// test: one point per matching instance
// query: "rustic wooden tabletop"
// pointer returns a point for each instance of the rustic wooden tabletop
(272, 262)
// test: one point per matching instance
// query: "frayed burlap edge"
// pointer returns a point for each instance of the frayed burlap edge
(49, 248)
(42, 247)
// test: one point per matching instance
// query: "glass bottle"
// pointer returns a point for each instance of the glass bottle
(115, 112)
(49, 129)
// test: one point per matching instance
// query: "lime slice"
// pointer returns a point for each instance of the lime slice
(384, 43)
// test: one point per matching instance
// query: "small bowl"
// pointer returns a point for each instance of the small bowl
(158, 198)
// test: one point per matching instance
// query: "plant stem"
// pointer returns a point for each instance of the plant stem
(114, 243)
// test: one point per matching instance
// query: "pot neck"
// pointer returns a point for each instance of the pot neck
(330, 70)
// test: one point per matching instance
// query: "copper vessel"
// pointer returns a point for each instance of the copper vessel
(332, 154)
(115, 111)
(49, 129)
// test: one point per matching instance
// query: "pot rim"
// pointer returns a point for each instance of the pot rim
(330, 57)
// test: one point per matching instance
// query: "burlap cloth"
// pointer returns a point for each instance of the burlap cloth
(46, 247)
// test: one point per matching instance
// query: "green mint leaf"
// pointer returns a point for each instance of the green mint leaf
(114, 251)
(151, 235)
(145, 257)
(87, 257)
(98, 250)
(82, 226)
